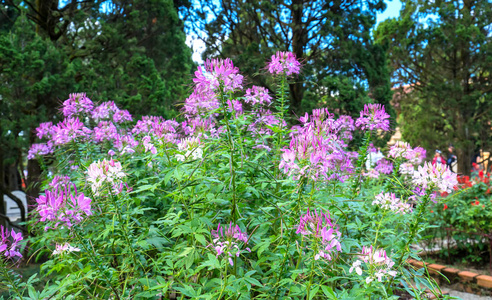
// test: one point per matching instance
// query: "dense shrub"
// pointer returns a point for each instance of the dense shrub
(464, 217)
(231, 203)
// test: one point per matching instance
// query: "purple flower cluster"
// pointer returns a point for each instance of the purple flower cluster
(373, 117)
(9, 243)
(318, 148)
(70, 129)
(257, 95)
(107, 116)
(384, 166)
(435, 177)
(378, 264)
(403, 150)
(105, 172)
(409, 157)
(226, 240)
(284, 63)
(105, 131)
(406, 168)
(77, 104)
(216, 76)
(218, 73)
(63, 205)
(65, 248)
(388, 201)
(399, 149)
(45, 129)
(39, 149)
(320, 228)
(109, 111)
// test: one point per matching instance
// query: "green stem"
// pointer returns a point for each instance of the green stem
(292, 232)
(280, 127)
(123, 228)
(379, 226)
(225, 283)
(92, 257)
(360, 164)
(231, 160)
(413, 229)
(11, 281)
(310, 280)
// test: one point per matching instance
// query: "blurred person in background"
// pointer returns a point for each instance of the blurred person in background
(451, 161)
(438, 159)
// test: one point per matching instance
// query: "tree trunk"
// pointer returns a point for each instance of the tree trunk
(298, 44)
(464, 155)
(12, 176)
(33, 183)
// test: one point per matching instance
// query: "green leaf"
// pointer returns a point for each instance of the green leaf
(253, 281)
(328, 291)
(201, 239)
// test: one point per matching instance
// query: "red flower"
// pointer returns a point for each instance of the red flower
(432, 211)
(444, 194)
(445, 207)
(480, 174)
(477, 202)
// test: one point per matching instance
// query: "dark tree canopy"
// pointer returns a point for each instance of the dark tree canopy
(447, 62)
(131, 51)
(332, 38)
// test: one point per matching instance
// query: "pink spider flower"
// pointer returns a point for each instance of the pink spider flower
(44, 129)
(63, 206)
(121, 116)
(373, 117)
(379, 265)
(399, 149)
(284, 63)
(218, 73)
(64, 248)
(320, 229)
(105, 131)
(39, 149)
(257, 95)
(406, 168)
(104, 111)
(77, 104)
(384, 166)
(389, 201)
(125, 143)
(226, 240)
(105, 172)
(437, 177)
(318, 148)
(70, 129)
(9, 243)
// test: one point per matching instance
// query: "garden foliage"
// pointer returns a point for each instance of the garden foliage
(464, 217)
(231, 203)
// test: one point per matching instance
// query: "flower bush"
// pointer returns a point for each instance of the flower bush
(465, 214)
(138, 211)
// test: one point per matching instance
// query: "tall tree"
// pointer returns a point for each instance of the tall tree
(332, 38)
(443, 51)
(129, 51)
